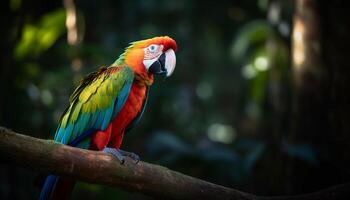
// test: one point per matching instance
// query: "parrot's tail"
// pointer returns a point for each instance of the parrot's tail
(48, 187)
(56, 188)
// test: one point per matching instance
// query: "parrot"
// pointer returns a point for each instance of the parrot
(109, 102)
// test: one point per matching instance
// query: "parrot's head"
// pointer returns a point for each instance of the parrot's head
(151, 56)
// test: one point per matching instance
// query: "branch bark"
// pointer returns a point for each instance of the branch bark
(45, 156)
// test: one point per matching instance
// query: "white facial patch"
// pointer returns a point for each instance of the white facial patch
(152, 51)
(149, 62)
(152, 54)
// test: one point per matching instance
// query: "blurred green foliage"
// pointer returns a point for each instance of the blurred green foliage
(38, 38)
(218, 117)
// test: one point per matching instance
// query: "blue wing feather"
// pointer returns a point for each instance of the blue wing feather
(107, 117)
(81, 137)
(66, 137)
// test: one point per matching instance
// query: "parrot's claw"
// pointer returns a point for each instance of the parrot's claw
(131, 155)
(116, 153)
(120, 154)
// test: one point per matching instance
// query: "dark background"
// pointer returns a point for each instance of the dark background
(240, 110)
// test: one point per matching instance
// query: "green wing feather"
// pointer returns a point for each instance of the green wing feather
(93, 105)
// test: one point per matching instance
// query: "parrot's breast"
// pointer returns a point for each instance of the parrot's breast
(130, 110)
(113, 135)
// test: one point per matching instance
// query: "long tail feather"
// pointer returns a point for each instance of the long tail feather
(48, 187)
(57, 188)
(63, 189)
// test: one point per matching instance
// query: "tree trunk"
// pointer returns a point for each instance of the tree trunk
(321, 92)
(335, 29)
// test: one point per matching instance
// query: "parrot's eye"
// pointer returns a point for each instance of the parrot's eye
(153, 48)
(153, 51)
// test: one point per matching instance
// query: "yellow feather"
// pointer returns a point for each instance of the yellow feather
(93, 103)
(102, 90)
(110, 88)
(85, 95)
(104, 103)
(65, 117)
(90, 89)
(99, 100)
(76, 111)
(85, 108)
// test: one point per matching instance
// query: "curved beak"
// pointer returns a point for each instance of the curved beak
(164, 64)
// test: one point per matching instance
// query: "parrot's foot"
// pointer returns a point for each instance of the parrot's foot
(131, 155)
(116, 153)
(120, 154)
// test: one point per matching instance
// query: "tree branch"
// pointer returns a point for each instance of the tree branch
(96, 167)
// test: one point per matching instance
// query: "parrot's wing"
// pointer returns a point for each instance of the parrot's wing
(93, 105)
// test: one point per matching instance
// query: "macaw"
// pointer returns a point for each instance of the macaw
(109, 102)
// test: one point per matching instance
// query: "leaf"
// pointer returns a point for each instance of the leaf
(37, 38)
(253, 33)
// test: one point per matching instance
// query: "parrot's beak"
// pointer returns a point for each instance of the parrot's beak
(165, 64)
